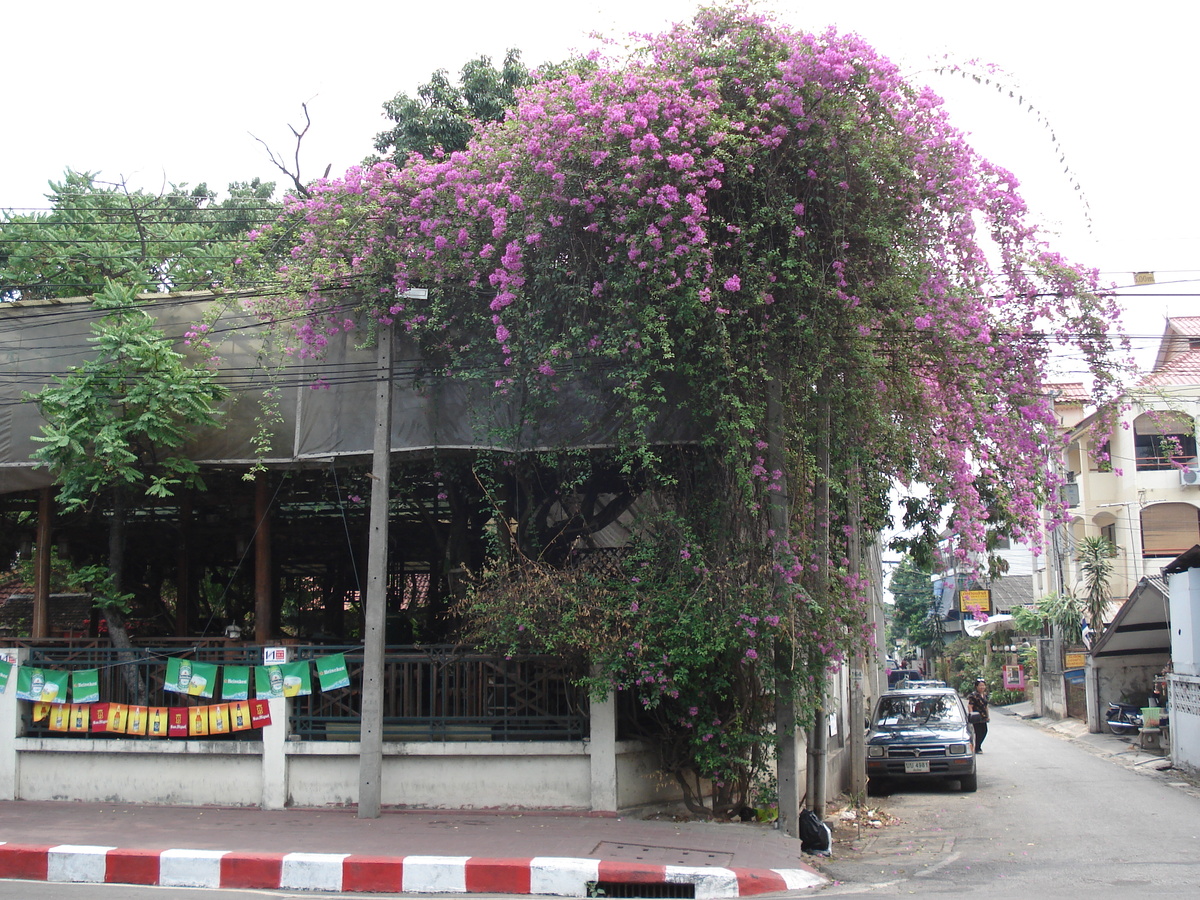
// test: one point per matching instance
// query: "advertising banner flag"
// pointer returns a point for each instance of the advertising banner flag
(60, 717)
(297, 678)
(156, 721)
(43, 685)
(85, 686)
(81, 717)
(268, 681)
(5, 670)
(204, 680)
(235, 683)
(218, 718)
(179, 675)
(260, 713)
(332, 673)
(135, 721)
(99, 717)
(40, 711)
(198, 721)
(117, 717)
(178, 724)
(239, 715)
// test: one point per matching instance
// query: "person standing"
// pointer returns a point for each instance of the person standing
(977, 703)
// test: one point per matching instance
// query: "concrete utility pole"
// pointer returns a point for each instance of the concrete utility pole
(818, 747)
(370, 758)
(858, 711)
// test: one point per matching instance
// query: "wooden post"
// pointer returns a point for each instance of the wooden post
(262, 560)
(183, 569)
(370, 754)
(40, 626)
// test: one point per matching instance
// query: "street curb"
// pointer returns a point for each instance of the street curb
(350, 873)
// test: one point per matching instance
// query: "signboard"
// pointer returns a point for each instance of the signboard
(1014, 678)
(970, 601)
(1073, 676)
(1074, 660)
(274, 656)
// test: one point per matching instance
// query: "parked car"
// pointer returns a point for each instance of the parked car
(897, 675)
(918, 735)
(909, 684)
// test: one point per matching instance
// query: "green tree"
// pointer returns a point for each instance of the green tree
(115, 424)
(94, 231)
(916, 615)
(1095, 557)
(445, 115)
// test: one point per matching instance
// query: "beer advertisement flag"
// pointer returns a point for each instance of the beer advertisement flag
(332, 673)
(40, 711)
(99, 717)
(81, 719)
(179, 675)
(268, 681)
(218, 718)
(60, 717)
(235, 683)
(260, 713)
(43, 685)
(85, 686)
(198, 721)
(135, 721)
(297, 678)
(5, 670)
(204, 680)
(178, 724)
(116, 717)
(156, 721)
(239, 715)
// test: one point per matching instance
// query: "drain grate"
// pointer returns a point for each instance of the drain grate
(629, 890)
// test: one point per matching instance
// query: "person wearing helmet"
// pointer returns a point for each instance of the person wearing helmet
(977, 703)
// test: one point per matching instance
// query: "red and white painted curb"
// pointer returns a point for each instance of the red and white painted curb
(345, 872)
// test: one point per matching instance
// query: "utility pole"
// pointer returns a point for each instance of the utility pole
(858, 711)
(370, 753)
(818, 746)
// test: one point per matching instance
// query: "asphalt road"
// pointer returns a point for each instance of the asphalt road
(1049, 820)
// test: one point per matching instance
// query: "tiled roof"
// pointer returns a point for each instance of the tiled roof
(1068, 392)
(1185, 325)
(68, 613)
(1183, 369)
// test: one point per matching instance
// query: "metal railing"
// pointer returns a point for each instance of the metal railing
(434, 693)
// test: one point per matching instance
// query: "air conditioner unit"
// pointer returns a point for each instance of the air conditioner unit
(1189, 475)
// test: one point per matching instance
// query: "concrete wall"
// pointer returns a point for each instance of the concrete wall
(600, 774)
(1185, 722)
(1120, 679)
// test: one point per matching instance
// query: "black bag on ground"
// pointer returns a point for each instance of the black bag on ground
(815, 836)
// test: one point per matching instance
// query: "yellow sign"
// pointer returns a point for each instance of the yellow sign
(969, 601)
(1074, 660)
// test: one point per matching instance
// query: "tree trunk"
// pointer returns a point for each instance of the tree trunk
(117, 633)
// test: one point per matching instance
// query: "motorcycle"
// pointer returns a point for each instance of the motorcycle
(1123, 718)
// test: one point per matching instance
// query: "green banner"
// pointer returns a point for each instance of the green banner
(186, 676)
(85, 686)
(292, 679)
(235, 683)
(332, 673)
(5, 670)
(42, 685)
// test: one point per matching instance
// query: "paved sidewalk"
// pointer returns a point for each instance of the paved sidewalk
(425, 851)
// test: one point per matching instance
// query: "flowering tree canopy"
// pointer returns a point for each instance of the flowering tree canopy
(736, 205)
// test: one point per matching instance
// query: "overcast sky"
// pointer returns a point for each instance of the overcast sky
(170, 92)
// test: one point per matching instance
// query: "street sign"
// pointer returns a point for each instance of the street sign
(970, 601)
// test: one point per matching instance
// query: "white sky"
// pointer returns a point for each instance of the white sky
(161, 92)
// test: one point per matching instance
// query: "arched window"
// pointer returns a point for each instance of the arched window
(1163, 440)
(1169, 529)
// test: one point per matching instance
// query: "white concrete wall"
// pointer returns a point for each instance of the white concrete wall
(1185, 722)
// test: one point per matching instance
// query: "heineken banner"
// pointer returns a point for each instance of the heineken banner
(292, 679)
(42, 685)
(331, 672)
(85, 686)
(235, 683)
(5, 670)
(185, 676)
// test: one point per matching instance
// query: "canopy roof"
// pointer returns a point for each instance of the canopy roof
(43, 339)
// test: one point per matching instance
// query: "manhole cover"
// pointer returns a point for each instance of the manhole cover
(665, 856)
(903, 845)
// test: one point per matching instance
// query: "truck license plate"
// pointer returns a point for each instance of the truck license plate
(915, 766)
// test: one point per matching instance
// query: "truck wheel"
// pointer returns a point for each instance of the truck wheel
(970, 783)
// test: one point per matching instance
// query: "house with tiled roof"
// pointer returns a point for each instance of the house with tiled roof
(1133, 477)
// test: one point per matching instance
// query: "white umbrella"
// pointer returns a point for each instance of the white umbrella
(1002, 622)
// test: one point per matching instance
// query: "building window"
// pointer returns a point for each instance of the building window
(1169, 529)
(1163, 441)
